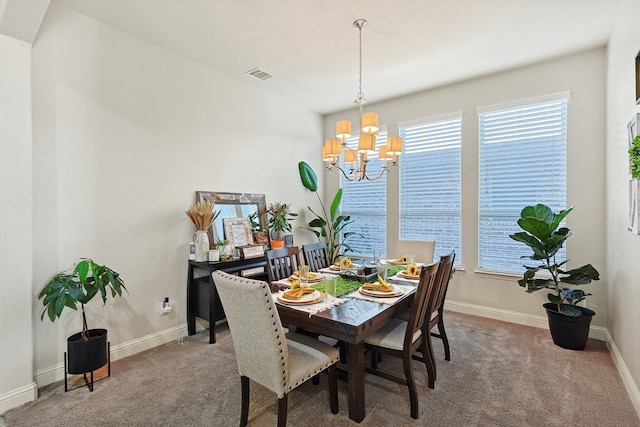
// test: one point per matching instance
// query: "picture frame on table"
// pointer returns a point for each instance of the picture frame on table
(238, 231)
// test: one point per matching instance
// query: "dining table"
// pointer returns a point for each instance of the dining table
(351, 321)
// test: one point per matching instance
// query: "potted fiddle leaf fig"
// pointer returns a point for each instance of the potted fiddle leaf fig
(86, 350)
(328, 227)
(568, 322)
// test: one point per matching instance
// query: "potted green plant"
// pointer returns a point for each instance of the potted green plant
(224, 248)
(329, 227)
(634, 158)
(86, 350)
(568, 322)
(279, 216)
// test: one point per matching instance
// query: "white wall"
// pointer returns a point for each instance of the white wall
(584, 76)
(16, 258)
(124, 134)
(623, 248)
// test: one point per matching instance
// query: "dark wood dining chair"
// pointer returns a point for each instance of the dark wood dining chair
(282, 262)
(315, 255)
(445, 271)
(265, 354)
(435, 316)
(402, 338)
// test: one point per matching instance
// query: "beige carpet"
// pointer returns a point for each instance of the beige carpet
(500, 374)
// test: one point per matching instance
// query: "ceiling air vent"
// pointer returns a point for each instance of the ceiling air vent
(259, 74)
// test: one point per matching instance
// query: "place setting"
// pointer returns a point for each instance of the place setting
(379, 291)
(307, 298)
(412, 272)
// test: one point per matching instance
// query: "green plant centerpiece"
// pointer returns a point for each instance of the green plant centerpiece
(634, 158)
(542, 235)
(280, 216)
(79, 286)
(328, 227)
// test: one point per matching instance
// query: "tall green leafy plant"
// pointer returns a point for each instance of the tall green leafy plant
(68, 289)
(329, 227)
(542, 235)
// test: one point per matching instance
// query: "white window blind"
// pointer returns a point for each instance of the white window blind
(522, 161)
(430, 184)
(366, 202)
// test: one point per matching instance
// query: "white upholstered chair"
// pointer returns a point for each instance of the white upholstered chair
(402, 338)
(423, 250)
(264, 353)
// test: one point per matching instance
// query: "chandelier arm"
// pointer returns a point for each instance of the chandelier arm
(343, 173)
(379, 174)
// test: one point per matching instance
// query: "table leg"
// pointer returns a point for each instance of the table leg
(355, 363)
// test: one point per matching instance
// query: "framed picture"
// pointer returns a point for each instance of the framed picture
(288, 240)
(261, 238)
(238, 231)
(638, 78)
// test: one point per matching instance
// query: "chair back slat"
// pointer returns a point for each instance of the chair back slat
(283, 262)
(315, 255)
(422, 299)
(443, 277)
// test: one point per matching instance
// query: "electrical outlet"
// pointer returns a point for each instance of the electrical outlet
(165, 307)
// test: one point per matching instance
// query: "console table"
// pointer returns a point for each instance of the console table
(202, 297)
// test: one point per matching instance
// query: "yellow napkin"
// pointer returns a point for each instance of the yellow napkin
(413, 270)
(402, 259)
(298, 292)
(344, 263)
(310, 275)
(381, 286)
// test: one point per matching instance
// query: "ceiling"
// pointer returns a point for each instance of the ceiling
(311, 47)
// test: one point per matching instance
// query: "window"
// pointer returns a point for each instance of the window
(522, 161)
(366, 203)
(430, 183)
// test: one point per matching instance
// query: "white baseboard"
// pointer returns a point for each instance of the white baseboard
(625, 375)
(17, 397)
(55, 373)
(596, 332)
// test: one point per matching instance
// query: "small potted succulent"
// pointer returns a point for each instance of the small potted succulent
(568, 322)
(279, 216)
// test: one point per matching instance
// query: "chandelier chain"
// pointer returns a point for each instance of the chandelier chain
(360, 94)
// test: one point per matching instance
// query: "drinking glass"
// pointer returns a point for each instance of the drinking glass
(330, 283)
(303, 274)
(382, 271)
(411, 259)
(376, 256)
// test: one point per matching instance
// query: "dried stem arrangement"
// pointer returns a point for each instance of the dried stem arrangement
(202, 215)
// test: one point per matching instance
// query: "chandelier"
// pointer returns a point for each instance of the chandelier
(357, 160)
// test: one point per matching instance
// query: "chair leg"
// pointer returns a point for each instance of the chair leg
(374, 359)
(445, 340)
(282, 411)
(429, 362)
(333, 388)
(244, 413)
(408, 374)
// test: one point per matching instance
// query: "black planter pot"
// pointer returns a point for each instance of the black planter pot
(87, 356)
(569, 332)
